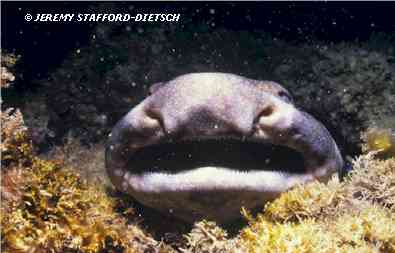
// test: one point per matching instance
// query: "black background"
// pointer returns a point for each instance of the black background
(43, 46)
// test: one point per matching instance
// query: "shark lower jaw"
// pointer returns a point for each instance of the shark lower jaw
(214, 179)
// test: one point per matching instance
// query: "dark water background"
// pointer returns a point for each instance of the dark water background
(78, 97)
(43, 46)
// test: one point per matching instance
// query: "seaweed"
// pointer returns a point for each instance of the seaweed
(356, 215)
(380, 140)
(51, 209)
(8, 62)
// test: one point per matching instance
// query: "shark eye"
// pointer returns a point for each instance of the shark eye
(285, 96)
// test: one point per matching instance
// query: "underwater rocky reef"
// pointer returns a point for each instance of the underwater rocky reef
(347, 86)
(48, 205)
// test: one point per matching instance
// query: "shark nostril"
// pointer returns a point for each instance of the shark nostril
(267, 111)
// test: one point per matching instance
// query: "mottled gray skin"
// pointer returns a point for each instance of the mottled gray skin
(215, 106)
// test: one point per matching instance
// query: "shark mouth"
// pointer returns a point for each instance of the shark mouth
(277, 151)
(231, 153)
(209, 164)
